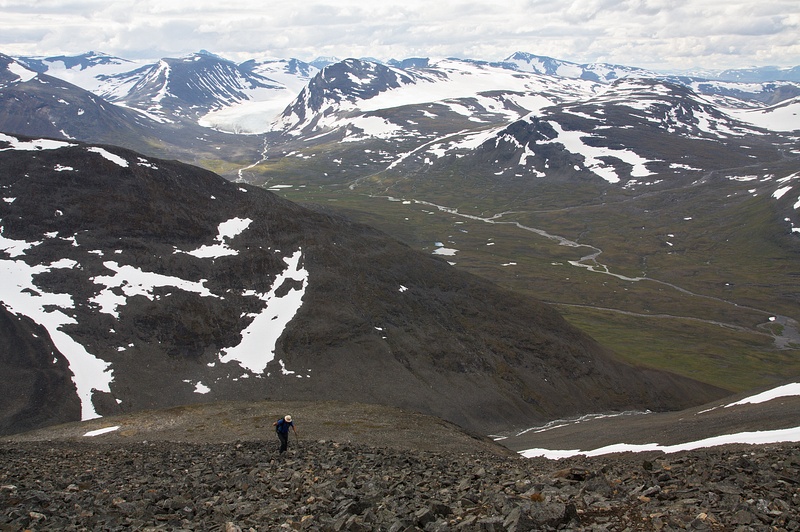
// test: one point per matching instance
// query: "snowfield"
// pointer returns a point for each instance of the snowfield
(784, 116)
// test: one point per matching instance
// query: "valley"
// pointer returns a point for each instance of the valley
(672, 293)
(651, 211)
(689, 269)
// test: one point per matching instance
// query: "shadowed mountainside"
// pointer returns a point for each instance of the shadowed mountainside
(128, 263)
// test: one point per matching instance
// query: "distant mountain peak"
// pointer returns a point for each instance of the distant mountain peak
(338, 86)
(411, 62)
(193, 85)
(600, 72)
(323, 61)
(211, 54)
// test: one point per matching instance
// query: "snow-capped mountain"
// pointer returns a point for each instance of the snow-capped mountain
(621, 132)
(36, 104)
(149, 283)
(362, 97)
(359, 96)
(341, 86)
(321, 62)
(623, 135)
(424, 110)
(190, 85)
(91, 71)
(194, 85)
(599, 72)
(247, 97)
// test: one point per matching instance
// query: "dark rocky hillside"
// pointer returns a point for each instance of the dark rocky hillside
(109, 247)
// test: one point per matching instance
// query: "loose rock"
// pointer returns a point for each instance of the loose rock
(332, 487)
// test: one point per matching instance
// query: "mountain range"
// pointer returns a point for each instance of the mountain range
(657, 212)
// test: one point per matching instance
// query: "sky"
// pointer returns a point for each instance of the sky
(653, 34)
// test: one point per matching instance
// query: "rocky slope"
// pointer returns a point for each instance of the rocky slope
(228, 421)
(367, 467)
(326, 485)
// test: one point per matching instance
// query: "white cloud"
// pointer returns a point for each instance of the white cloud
(646, 33)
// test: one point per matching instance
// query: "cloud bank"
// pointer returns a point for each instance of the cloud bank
(654, 34)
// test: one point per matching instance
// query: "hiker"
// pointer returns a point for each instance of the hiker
(282, 429)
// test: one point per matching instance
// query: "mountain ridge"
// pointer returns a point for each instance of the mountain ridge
(245, 77)
(596, 71)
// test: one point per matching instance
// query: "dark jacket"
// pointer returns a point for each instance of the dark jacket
(282, 426)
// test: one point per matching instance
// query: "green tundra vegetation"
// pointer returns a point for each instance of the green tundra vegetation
(685, 278)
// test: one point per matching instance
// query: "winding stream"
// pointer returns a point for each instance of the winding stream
(789, 328)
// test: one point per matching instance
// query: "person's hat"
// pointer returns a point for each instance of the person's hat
(288, 419)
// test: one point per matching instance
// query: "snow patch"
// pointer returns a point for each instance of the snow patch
(199, 387)
(132, 281)
(441, 250)
(257, 348)
(753, 438)
(21, 72)
(778, 194)
(116, 159)
(226, 231)
(21, 296)
(32, 145)
(98, 432)
(787, 390)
